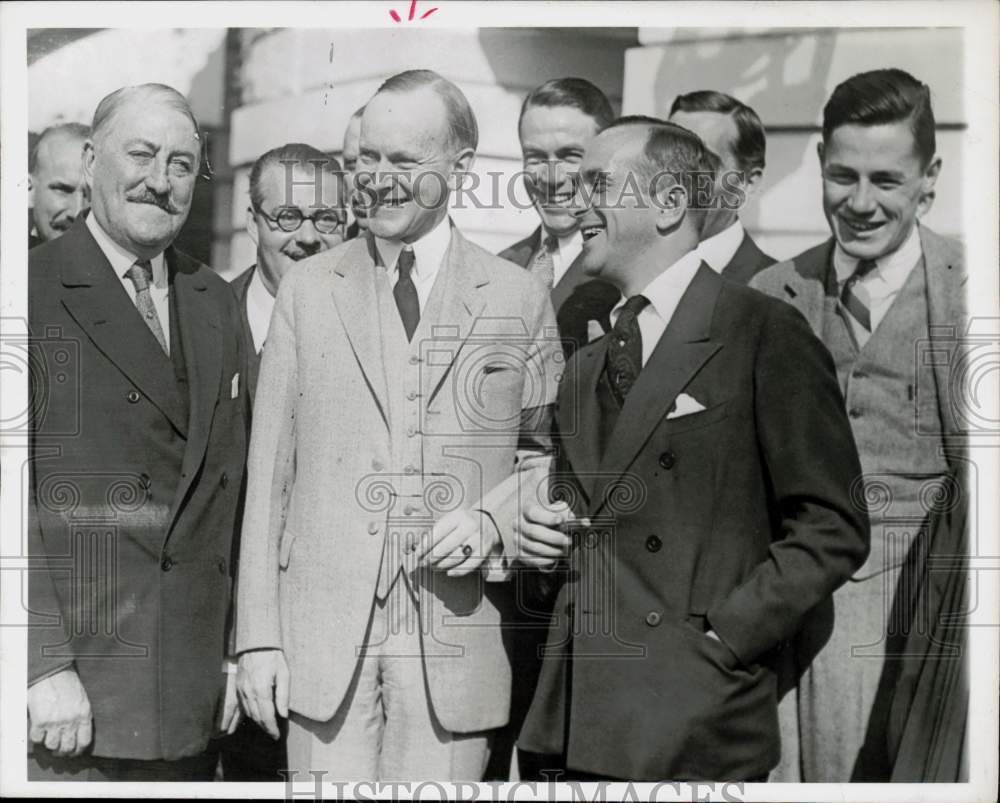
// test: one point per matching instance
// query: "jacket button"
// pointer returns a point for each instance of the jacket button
(377, 465)
(167, 564)
(653, 618)
(372, 528)
(854, 412)
(224, 479)
(144, 481)
(412, 395)
(409, 510)
(222, 565)
(667, 460)
(653, 543)
(133, 396)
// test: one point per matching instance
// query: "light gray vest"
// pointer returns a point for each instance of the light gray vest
(891, 394)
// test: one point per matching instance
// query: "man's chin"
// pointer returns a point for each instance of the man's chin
(556, 221)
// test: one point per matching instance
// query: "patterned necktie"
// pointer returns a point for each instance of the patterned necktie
(405, 293)
(851, 301)
(141, 274)
(625, 348)
(543, 266)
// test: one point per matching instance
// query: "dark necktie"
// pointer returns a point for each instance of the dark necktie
(141, 276)
(543, 265)
(407, 301)
(851, 301)
(625, 348)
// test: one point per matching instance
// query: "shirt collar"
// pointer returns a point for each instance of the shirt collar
(121, 259)
(257, 292)
(719, 249)
(665, 291)
(890, 270)
(570, 245)
(428, 251)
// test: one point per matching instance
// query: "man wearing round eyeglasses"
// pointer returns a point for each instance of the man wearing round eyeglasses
(296, 210)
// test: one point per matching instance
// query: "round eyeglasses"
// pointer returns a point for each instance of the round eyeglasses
(290, 218)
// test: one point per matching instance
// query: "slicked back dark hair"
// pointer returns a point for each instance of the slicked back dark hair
(577, 93)
(297, 152)
(461, 121)
(881, 97)
(751, 142)
(76, 130)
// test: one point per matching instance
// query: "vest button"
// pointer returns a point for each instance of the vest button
(224, 480)
(860, 375)
(411, 432)
(373, 528)
(653, 543)
(414, 359)
(377, 465)
(854, 412)
(653, 618)
(667, 460)
(144, 481)
(167, 564)
(410, 470)
(409, 510)
(133, 396)
(411, 395)
(221, 564)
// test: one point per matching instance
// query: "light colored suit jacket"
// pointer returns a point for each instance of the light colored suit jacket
(319, 521)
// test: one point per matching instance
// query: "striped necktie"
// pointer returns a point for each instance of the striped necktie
(543, 265)
(853, 302)
(141, 275)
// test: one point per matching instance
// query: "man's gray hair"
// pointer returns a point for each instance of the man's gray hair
(76, 130)
(464, 132)
(167, 95)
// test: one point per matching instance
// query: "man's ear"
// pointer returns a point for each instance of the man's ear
(930, 177)
(252, 225)
(751, 180)
(88, 157)
(462, 163)
(31, 192)
(671, 205)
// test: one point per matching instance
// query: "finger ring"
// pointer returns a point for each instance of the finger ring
(466, 550)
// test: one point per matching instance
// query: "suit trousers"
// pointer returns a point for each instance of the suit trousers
(44, 766)
(841, 651)
(385, 728)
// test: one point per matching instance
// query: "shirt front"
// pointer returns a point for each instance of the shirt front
(429, 253)
(121, 262)
(719, 249)
(569, 249)
(260, 305)
(664, 294)
(880, 286)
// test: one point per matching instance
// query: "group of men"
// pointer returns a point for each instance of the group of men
(594, 496)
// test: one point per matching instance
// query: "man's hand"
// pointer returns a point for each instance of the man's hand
(539, 541)
(458, 545)
(231, 715)
(60, 714)
(262, 686)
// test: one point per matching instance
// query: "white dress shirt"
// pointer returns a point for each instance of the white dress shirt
(719, 249)
(121, 261)
(569, 249)
(260, 305)
(664, 294)
(429, 253)
(879, 288)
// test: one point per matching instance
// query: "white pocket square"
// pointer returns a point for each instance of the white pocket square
(684, 405)
(234, 386)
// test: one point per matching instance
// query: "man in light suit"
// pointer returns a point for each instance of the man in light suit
(296, 210)
(138, 457)
(557, 120)
(734, 132)
(404, 394)
(879, 288)
(706, 457)
(349, 155)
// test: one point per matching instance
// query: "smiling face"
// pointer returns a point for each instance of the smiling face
(142, 169)
(620, 226)
(352, 148)
(407, 163)
(874, 187)
(553, 140)
(310, 193)
(58, 191)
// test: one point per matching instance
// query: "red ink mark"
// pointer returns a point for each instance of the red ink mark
(413, 10)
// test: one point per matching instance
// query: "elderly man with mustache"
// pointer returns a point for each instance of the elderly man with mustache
(136, 466)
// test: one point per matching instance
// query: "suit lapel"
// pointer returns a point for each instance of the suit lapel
(682, 350)
(201, 340)
(578, 415)
(357, 305)
(464, 299)
(97, 301)
(806, 286)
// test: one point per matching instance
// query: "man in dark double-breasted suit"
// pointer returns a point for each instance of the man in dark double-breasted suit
(138, 458)
(703, 493)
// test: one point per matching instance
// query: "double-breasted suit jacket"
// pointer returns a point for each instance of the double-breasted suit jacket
(137, 460)
(736, 517)
(351, 455)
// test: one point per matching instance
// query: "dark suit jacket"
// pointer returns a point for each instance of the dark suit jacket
(736, 518)
(133, 503)
(747, 262)
(577, 299)
(240, 285)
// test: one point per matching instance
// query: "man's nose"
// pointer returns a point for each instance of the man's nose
(157, 178)
(554, 174)
(306, 234)
(862, 199)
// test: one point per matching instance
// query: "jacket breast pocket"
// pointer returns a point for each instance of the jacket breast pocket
(703, 418)
(285, 548)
